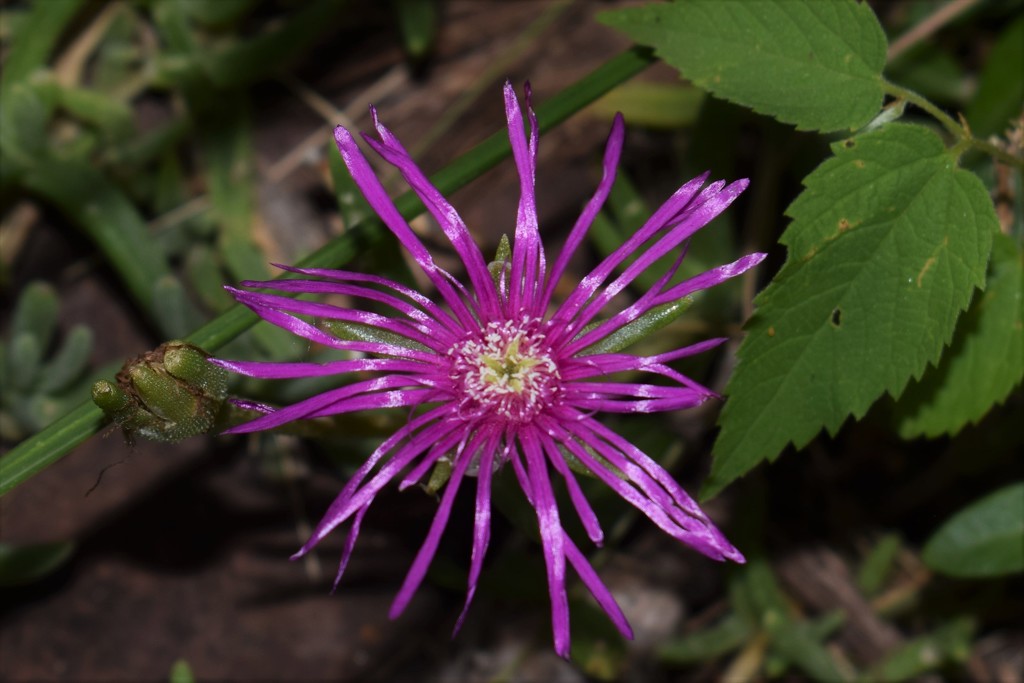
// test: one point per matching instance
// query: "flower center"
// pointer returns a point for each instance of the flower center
(507, 372)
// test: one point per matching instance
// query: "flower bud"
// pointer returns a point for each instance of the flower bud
(168, 394)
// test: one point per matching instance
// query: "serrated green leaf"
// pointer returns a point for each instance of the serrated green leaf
(984, 539)
(888, 241)
(814, 64)
(985, 361)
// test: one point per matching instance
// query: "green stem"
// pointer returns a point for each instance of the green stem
(964, 138)
(50, 445)
(955, 129)
(996, 153)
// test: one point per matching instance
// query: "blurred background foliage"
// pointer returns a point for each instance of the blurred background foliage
(133, 136)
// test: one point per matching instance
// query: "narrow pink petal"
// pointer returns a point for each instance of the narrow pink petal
(691, 350)
(419, 333)
(275, 370)
(303, 329)
(552, 537)
(481, 522)
(374, 192)
(433, 429)
(710, 278)
(426, 553)
(391, 149)
(351, 398)
(627, 315)
(439, 314)
(640, 407)
(705, 535)
(526, 249)
(346, 289)
(350, 544)
(609, 363)
(590, 283)
(612, 153)
(695, 219)
(640, 490)
(597, 588)
(579, 501)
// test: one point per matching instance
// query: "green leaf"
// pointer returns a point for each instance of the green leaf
(879, 564)
(949, 643)
(814, 64)
(106, 113)
(24, 115)
(37, 36)
(703, 646)
(417, 21)
(265, 54)
(1001, 86)
(219, 13)
(173, 308)
(984, 539)
(181, 672)
(799, 643)
(888, 241)
(985, 361)
(69, 362)
(653, 105)
(36, 312)
(105, 214)
(24, 564)
(644, 326)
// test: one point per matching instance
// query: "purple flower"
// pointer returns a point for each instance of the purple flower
(498, 375)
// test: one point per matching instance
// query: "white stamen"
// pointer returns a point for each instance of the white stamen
(506, 372)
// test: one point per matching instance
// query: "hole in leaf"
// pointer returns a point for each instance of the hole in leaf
(836, 319)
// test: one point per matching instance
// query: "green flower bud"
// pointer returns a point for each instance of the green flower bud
(502, 261)
(168, 394)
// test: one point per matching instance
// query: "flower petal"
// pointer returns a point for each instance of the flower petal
(481, 522)
(527, 251)
(374, 192)
(426, 553)
(551, 534)
(391, 149)
(612, 152)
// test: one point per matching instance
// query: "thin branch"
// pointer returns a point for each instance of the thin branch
(930, 25)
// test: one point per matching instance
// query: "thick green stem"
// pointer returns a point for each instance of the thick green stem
(50, 445)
